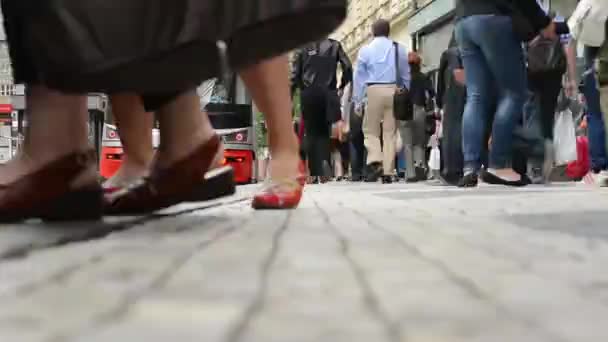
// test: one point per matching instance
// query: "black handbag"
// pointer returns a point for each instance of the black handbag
(546, 55)
(403, 108)
(160, 46)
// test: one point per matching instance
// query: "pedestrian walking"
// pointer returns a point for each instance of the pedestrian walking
(414, 132)
(489, 36)
(548, 61)
(586, 26)
(315, 74)
(377, 78)
(451, 99)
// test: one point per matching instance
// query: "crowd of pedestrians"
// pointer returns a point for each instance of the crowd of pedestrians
(510, 69)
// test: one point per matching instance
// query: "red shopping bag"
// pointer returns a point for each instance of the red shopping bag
(580, 167)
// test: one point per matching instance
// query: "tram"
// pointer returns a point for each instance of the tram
(97, 105)
(231, 113)
(6, 130)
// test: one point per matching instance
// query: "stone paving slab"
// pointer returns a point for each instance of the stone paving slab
(357, 262)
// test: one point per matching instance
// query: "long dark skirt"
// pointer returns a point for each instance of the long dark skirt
(154, 47)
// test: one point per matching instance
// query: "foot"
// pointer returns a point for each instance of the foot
(129, 173)
(64, 189)
(507, 177)
(196, 175)
(283, 189)
(387, 179)
(374, 172)
(356, 178)
(278, 194)
(536, 175)
(287, 165)
(469, 180)
(421, 174)
(596, 179)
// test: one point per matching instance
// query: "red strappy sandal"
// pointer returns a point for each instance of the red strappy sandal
(281, 194)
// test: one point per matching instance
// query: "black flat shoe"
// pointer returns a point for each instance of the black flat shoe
(374, 172)
(387, 179)
(493, 179)
(470, 180)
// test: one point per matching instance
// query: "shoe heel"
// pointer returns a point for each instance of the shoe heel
(81, 205)
(217, 184)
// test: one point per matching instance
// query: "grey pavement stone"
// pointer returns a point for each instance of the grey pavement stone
(357, 262)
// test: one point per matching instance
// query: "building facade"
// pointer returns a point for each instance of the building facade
(356, 30)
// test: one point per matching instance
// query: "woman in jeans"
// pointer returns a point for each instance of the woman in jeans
(494, 63)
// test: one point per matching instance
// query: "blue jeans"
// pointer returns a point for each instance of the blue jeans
(595, 117)
(401, 164)
(493, 61)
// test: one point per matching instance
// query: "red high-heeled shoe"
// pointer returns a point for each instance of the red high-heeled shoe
(282, 194)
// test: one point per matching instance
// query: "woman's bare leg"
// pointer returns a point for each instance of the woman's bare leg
(57, 126)
(135, 131)
(268, 83)
(183, 128)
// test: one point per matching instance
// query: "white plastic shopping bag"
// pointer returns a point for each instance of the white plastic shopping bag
(564, 138)
(435, 159)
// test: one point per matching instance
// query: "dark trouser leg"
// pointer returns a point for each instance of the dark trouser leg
(451, 146)
(357, 155)
(595, 117)
(314, 109)
(357, 146)
(548, 102)
(318, 150)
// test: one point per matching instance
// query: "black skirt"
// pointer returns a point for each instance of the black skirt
(154, 46)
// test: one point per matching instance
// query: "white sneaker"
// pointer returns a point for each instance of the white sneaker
(596, 179)
(602, 179)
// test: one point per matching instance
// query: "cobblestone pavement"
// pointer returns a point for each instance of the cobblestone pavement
(355, 263)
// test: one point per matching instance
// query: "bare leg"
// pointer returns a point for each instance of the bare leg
(57, 126)
(268, 82)
(183, 128)
(135, 131)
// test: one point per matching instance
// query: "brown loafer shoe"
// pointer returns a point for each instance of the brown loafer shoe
(47, 194)
(187, 180)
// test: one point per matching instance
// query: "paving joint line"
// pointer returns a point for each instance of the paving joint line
(463, 282)
(108, 318)
(256, 306)
(370, 299)
(101, 232)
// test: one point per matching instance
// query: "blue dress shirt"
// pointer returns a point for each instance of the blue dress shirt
(376, 64)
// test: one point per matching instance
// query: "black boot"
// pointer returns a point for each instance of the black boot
(374, 171)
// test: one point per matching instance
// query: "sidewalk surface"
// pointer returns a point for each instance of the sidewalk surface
(360, 262)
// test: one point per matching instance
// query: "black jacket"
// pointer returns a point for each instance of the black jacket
(450, 60)
(317, 63)
(421, 87)
(529, 8)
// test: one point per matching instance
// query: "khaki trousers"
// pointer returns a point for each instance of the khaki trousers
(379, 112)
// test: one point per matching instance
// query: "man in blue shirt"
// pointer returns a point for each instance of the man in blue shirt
(376, 77)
